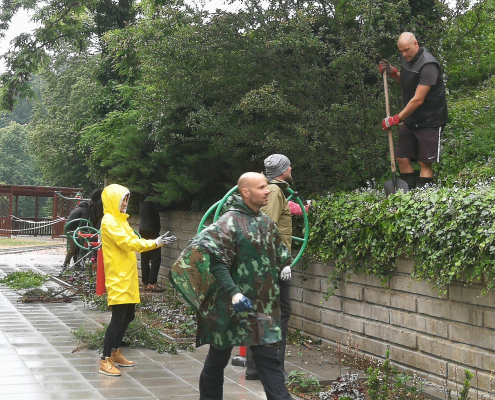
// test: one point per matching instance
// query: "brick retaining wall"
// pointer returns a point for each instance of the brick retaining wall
(424, 332)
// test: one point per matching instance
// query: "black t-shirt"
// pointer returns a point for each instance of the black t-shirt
(428, 75)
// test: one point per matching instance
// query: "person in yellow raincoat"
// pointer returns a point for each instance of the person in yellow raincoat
(119, 244)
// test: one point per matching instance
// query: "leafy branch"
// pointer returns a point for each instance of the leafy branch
(449, 231)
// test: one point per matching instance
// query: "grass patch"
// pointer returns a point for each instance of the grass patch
(11, 242)
(24, 280)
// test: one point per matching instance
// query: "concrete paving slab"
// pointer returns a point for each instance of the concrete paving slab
(42, 353)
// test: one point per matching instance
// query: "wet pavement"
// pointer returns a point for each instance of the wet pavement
(37, 362)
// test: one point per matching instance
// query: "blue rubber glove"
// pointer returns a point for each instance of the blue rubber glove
(241, 303)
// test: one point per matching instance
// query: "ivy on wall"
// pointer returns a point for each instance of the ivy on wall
(449, 231)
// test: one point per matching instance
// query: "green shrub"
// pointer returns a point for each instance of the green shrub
(468, 143)
(450, 231)
(24, 280)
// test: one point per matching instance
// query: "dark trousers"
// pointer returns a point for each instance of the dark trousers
(72, 252)
(267, 364)
(284, 324)
(149, 275)
(122, 316)
(284, 316)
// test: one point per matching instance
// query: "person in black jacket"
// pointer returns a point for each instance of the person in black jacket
(96, 208)
(149, 228)
(425, 112)
(81, 211)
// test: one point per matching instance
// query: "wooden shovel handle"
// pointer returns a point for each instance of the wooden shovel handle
(387, 109)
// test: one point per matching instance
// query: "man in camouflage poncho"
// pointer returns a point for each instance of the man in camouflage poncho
(241, 305)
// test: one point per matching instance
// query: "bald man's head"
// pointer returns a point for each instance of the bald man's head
(408, 45)
(253, 189)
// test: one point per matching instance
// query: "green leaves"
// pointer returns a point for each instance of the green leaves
(449, 231)
(24, 280)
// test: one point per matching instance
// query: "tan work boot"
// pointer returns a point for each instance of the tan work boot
(107, 367)
(119, 359)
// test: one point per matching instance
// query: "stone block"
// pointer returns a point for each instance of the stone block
(332, 318)
(371, 346)
(404, 265)
(365, 310)
(317, 299)
(165, 251)
(311, 312)
(296, 293)
(403, 337)
(457, 353)
(417, 360)
(182, 215)
(311, 283)
(312, 328)
(352, 324)
(471, 295)
(306, 311)
(175, 253)
(295, 322)
(357, 279)
(419, 323)
(319, 269)
(489, 319)
(403, 301)
(404, 283)
(352, 307)
(349, 290)
(297, 280)
(181, 235)
(332, 334)
(451, 310)
(479, 337)
(377, 296)
(374, 281)
(192, 226)
(297, 309)
(164, 217)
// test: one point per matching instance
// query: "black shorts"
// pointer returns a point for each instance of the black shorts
(419, 144)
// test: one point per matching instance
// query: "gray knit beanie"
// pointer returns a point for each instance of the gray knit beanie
(275, 165)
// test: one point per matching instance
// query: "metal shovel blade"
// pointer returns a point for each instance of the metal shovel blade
(391, 188)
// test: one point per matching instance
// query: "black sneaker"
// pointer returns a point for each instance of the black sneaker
(252, 377)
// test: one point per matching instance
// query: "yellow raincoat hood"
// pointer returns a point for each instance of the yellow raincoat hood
(119, 244)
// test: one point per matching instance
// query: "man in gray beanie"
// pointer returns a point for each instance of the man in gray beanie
(276, 166)
(278, 174)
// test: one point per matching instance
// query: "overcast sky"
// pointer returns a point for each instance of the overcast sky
(21, 23)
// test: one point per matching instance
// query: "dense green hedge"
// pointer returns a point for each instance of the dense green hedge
(449, 231)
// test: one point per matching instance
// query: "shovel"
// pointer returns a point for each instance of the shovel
(393, 185)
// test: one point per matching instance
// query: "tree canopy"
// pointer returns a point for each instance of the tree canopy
(176, 102)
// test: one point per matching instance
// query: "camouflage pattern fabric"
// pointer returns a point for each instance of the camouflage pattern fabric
(190, 275)
(249, 245)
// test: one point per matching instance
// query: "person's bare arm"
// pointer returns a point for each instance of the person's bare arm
(415, 102)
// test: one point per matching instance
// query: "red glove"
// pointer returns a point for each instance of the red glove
(295, 209)
(388, 122)
(384, 65)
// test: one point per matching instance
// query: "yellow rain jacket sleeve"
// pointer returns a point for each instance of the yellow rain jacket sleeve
(119, 244)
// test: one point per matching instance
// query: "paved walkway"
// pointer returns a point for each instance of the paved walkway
(37, 362)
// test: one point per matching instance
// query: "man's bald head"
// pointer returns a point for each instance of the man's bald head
(408, 45)
(253, 189)
(406, 38)
(248, 179)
